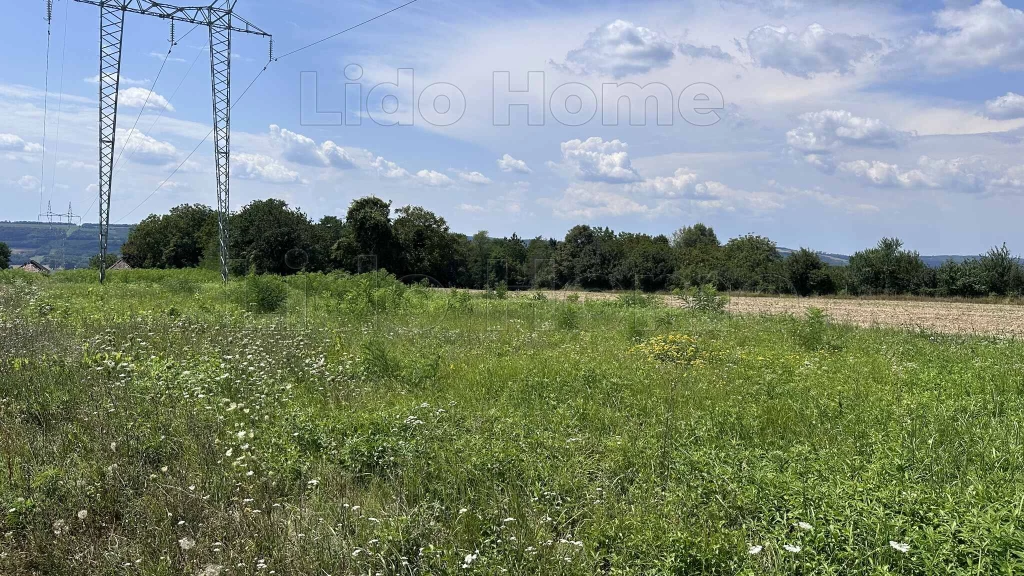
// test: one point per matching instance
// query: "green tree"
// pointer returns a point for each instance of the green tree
(585, 258)
(698, 257)
(1001, 272)
(961, 279)
(368, 240)
(509, 261)
(889, 269)
(807, 274)
(645, 263)
(425, 243)
(325, 234)
(177, 239)
(5, 256)
(753, 263)
(539, 265)
(94, 262)
(263, 233)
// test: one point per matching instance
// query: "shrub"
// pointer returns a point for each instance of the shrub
(703, 299)
(262, 294)
(815, 333)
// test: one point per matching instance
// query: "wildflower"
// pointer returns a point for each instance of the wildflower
(210, 570)
(755, 549)
(187, 543)
(791, 548)
(901, 547)
(82, 514)
(463, 510)
(804, 526)
(313, 483)
(470, 558)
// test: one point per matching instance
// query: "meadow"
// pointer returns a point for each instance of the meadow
(167, 424)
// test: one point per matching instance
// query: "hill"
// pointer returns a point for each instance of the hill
(843, 259)
(41, 242)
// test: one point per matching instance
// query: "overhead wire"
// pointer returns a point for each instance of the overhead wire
(60, 102)
(46, 92)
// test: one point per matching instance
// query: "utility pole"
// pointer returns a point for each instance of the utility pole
(221, 22)
(70, 218)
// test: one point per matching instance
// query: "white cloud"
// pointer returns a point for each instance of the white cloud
(124, 81)
(816, 50)
(682, 183)
(388, 169)
(509, 164)
(595, 160)
(821, 133)
(712, 52)
(76, 165)
(471, 208)
(137, 98)
(15, 143)
(146, 149)
(433, 178)
(986, 34)
(262, 167)
(304, 150)
(474, 178)
(28, 182)
(619, 49)
(589, 202)
(963, 174)
(1005, 107)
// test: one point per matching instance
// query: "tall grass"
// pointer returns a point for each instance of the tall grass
(396, 430)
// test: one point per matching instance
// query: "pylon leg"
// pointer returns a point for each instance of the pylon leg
(220, 72)
(111, 34)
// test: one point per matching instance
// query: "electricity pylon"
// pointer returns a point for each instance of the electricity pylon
(221, 22)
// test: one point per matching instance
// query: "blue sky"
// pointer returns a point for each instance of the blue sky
(838, 122)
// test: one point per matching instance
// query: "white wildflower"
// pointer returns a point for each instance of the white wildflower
(187, 543)
(755, 549)
(791, 548)
(901, 547)
(82, 514)
(804, 526)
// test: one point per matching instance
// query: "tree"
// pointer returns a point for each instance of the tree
(425, 244)
(888, 269)
(1000, 272)
(698, 258)
(508, 260)
(807, 274)
(264, 232)
(368, 241)
(961, 279)
(94, 262)
(5, 256)
(585, 258)
(540, 269)
(645, 263)
(178, 239)
(325, 234)
(753, 263)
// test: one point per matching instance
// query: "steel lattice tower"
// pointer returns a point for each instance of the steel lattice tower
(220, 22)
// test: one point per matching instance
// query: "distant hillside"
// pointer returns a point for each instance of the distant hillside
(843, 260)
(38, 241)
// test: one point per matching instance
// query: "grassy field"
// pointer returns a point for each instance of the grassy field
(166, 424)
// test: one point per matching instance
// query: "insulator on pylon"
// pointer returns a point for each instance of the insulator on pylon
(271, 49)
(172, 32)
(49, 10)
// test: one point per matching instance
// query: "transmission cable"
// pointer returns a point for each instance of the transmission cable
(60, 101)
(46, 92)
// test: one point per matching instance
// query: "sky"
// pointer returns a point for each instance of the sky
(820, 124)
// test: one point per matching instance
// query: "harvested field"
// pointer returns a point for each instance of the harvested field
(938, 316)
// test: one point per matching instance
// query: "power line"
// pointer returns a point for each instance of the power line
(46, 93)
(336, 34)
(60, 101)
(201, 142)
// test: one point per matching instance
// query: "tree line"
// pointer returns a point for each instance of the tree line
(268, 236)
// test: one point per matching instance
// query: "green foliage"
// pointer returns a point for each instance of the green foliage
(815, 333)
(1001, 272)
(268, 237)
(5, 256)
(261, 293)
(753, 264)
(368, 241)
(807, 274)
(94, 262)
(705, 299)
(175, 240)
(888, 269)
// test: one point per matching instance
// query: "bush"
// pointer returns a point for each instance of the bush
(262, 293)
(703, 299)
(816, 333)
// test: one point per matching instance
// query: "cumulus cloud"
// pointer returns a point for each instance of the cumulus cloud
(619, 49)
(682, 183)
(388, 169)
(124, 81)
(474, 178)
(146, 149)
(821, 133)
(433, 178)
(15, 143)
(586, 202)
(1005, 107)
(471, 208)
(963, 174)
(986, 34)
(137, 98)
(815, 50)
(509, 164)
(595, 160)
(263, 168)
(304, 150)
